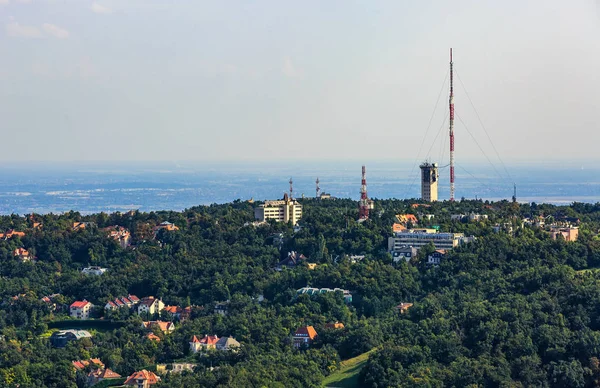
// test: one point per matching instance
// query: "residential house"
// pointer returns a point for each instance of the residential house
(165, 327)
(150, 305)
(204, 343)
(10, 234)
(477, 217)
(82, 364)
(227, 344)
(164, 226)
(403, 307)
(316, 291)
(304, 336)
(404, 219)
(152, 337)
(179, 313)
(120, 235)
(82, 225)
(356, 258)
(81, 309)
(59, 339)
(23, 254)
(436, 257)
(122, 301)
(334, 325)
(405, 253)
(50, 302)
(94, 270)
(222, 308)
(142, 379)
(98, 375)
(176, 367)
(292, 260)
(569, 234)
(396, 227)
(312, 266)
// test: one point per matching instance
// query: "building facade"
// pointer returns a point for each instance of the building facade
(429, 181)
(419, 238)
(81, 309)
(285, 210)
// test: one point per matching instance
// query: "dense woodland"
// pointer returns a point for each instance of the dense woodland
(508, 310)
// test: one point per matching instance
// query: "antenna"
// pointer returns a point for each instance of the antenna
(291, 189)
(451, 102)
(318, 188)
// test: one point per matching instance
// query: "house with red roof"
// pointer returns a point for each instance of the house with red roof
(81, 309)
(165, 327)
(10, 234)
(142, 379)
(403, 307)
(95, 363)
(98, 375)
(23, 254)
(334, 325)
(122, 301)
(304, 336)
(204, 343)
(153, 337)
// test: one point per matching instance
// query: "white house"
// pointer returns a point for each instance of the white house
(94, 270)
(150, 305)
(81, 309)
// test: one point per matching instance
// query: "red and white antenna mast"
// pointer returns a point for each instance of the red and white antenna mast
(363, 204)
(451, 101)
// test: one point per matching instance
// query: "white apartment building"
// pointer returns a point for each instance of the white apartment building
(418, 238)
(285, 210)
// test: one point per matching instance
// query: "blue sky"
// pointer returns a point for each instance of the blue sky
(273, 80)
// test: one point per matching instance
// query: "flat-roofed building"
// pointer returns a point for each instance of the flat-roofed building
(418, 238)
(284, 210)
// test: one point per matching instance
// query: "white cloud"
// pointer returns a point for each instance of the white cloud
(4, 2)
(55, 31)
(16, 30)
(289, 70)
(97, 8)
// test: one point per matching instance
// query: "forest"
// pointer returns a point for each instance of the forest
(510, 309)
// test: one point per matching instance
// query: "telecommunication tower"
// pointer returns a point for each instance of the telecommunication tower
(291, 189)
(318, 189)
(429, 181)
(451, 103)
(363, 204)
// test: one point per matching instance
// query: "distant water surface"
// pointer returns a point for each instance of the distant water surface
(95, 187)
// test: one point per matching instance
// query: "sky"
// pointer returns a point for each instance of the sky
(238, 80)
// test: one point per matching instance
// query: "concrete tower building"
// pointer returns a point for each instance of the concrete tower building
(429, 181)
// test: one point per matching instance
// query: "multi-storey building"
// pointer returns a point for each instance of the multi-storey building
(418, 238)
(81, 309)
(285, 210)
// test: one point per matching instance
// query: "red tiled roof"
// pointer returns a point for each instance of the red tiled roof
(150, 377)
(307, 330)
(209, 340)
(336, 325)
(153, 337)
(134, 298)
(125, 300)
(173, 309)
(79, 304)
(195, 340)
(164, 326)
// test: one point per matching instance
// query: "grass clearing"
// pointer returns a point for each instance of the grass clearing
(347, 375)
